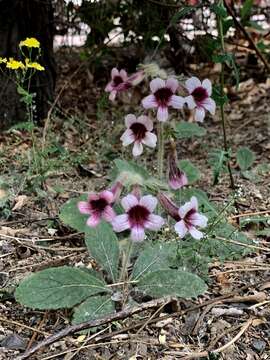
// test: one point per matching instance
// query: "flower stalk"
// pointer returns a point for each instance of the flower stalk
(160, 130)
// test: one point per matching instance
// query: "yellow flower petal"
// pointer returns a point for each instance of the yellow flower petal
(2, 60)
(14, 64)
(34, 65)
(30, 42)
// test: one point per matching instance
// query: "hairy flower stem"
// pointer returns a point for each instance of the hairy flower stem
(225, 142)
(126, 257)
(160, 129)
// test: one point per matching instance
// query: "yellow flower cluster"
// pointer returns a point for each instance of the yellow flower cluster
(3, 60)
(30, 43)
(14, 64)
(34, 65)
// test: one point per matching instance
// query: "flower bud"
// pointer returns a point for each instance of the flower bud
(177, 178)
(168, 205)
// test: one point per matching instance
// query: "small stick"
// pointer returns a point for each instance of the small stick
(250, 214)
(23, 326)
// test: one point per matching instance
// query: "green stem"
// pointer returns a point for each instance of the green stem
(222, 82)
(160, 130)
(126, 258)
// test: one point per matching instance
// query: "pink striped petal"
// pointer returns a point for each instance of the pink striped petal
(180, 228)
(109, 87)
(120, 223)
(149, 102)
(150, 139)
(84, 207)
(137, 234)
(177, 102)
(199, 220)
(127, 138)
(192, 83)
(149, 201)
(210, 105)
(93, 221)
(123, 74)
(129, 201)
(172, 84)
(154, 222)
(137, 149)
(183, 210)
(130, 119)
(208, 86)
(93, 197)
(162, 113)
(148, 123)
(199, 114)
(107, 195)
(190, 102)
(157, 84)
(108, 214)
(196, 234)
(194, 203)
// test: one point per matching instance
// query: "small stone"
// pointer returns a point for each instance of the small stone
(14, 342)
(258, 345)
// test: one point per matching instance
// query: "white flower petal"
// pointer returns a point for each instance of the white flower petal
(127, 138)
(156, 84)
(148, 123)
(129, 201)
(130, 119)
(192, 83)
(149, 102)
(137, 149)
(208, 86)
(210, 105)
(108, 214)
(162, 113)
(199, 114)
(150, 139)
(120, 223)
(109, 87)
(137, 234)
(154, 222)
(112, 95)
(189, 100)
(123, 74)
(180, 228)
(172, 84)
(114, 72)
(177, 102)
(149, 201)
(199, 220)
(196, 234)
(183, 210)
(194, 202)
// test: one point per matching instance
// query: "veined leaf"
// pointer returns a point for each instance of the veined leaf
(102, 244)
(61, 287)
(245, 158)
(192, 172)
(185, 130)
(172, 282)
(71, 216)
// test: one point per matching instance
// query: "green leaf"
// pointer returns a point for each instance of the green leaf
(71, 216)
(185, 130)
(102, 244)
(229, 59)
(219, 99)
(218, 159)
(172, 282)
(219, 10)
(245, 10)
(227, 24)
(93, 308)
(193, 174)
(245, 158)
(61, 287)
(129, 173)
(185, 10)
(154, 257)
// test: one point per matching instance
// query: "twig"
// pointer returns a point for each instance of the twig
(243, 244)
(23, 326)
(248, 37)
(250, 214)
(93, 323)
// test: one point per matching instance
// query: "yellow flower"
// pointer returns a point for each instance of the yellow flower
(2, 60)
(30, 42)
(33, 65)
(14, 64)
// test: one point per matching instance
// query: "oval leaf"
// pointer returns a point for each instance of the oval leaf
(245, 158)
(71, 216)
(185, 130)
(93, 308)
(172, 282)
(102, 244)
(61, 287)
(193, 174)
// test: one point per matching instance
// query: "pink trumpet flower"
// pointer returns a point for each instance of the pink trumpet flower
(163, 96)
(187, 216)
(99, 206)
(138, 132)
(199, 97)
(138, 217)
(177, 178)
(121, 82)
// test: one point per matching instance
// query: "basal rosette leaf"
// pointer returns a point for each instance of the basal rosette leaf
(61, 287)
(102, 244)
(171, 282)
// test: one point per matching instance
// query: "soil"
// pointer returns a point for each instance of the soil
(33, 238)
